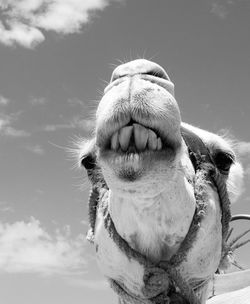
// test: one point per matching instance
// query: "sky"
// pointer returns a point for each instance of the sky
(55, 59)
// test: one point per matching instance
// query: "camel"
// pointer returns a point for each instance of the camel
(159, 204)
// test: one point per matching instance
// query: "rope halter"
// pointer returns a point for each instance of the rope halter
(163, 283)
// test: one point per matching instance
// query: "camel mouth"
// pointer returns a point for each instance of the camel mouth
(135, 138)
(135, 147)
(133, 135)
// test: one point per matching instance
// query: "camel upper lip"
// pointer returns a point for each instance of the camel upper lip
(162, 82)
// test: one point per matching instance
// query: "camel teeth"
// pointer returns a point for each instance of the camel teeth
(136, 158)
(115, 141)
(129, 157)
(152, 140)
(140, 137)
(143, 138)
(159, 144)
(133, 157)
(124, 137)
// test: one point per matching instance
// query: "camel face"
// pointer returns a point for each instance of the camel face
(139, 154)
(138, 136)
(138, 127)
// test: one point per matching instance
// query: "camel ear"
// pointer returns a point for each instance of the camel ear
(88, 154)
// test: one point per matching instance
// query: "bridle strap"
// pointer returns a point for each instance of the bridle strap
(196, 148)
(202, 159)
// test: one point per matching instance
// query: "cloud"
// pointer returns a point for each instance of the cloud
(243, 149)
(25, 21)
(12, 132)
(4, 101)
(4, 121)
(76, 122)
(83, 123)
(38, 101)
(6, 129)
(220, 10)
(20, 33)
(26, 247)
(56, 127)
(5, 207)
(36, 149)
(75, 101)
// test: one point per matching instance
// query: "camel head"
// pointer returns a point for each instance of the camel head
(148, 185)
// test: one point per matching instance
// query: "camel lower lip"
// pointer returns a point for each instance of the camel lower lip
(121, 158)
(129, 159)
(137, 160)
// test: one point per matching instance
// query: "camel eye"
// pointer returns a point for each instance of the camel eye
(88, 162)
(223, 161)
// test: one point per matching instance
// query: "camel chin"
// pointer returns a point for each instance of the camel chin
(140, 152)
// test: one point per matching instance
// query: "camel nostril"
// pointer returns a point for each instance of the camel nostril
(139, 67)
(116, 76)
(157, 72)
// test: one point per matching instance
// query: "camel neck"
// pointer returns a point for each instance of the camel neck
(154, 225)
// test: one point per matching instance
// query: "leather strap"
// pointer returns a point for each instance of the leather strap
(198, 151)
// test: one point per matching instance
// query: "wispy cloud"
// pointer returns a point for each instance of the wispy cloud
(75, 101)
(36, 149)
(223, 8)
(6, 129)
(12, 132)
(85, 124)
(19, 33)
(76, 122)
(4, 121)
(38, 101)
(56, 127)
(243, 148)
(4, 101)
(5, 207)
(25, 21)
(220, 10)
(26, 247)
